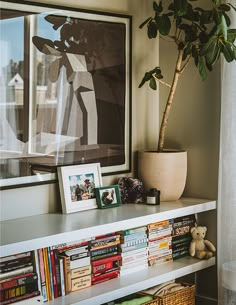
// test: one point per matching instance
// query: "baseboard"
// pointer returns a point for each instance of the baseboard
(200, 300)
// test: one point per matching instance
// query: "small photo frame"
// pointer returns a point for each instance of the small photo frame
(108, 196)
(77, 186)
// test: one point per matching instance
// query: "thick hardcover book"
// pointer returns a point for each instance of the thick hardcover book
(133, 231)
(15, 256)
(105, 277)
(16, 272)
(18, 280)
(80, 283)
(82, 271)
(21, 298)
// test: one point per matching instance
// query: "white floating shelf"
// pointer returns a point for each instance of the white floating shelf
(138, 281)
(41, 231)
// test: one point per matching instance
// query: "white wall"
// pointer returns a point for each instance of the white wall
(42, 199)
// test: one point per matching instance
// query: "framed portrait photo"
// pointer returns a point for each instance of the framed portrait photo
(78, 185)
(108, 196)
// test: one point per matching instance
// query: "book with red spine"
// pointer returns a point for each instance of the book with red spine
(18, 281)
(104, 277)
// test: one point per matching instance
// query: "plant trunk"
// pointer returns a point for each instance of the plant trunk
(169, 102)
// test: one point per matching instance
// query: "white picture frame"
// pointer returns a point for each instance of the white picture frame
(77, 185)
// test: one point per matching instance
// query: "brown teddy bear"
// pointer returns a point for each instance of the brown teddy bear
(199, 247)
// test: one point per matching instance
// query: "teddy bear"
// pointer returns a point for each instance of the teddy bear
(199, 247)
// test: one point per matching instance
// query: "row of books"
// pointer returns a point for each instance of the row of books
(68, 267)
(19, 279)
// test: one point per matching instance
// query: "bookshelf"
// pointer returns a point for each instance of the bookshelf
(30, 233)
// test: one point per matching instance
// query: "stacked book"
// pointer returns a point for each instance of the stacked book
(181, 235)
(105, 259)
(134, 250)
(18, 279)
(160, 247)
(64, 268)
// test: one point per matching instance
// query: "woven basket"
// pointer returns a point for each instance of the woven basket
(185, 296)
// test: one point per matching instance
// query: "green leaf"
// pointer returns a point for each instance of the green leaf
(213, 54)
(155, 6)
(152, 30)
(227, 19)
(145, 22)
(231, 35)
(164, 25)
(232, 6)
(224, 7)
(181, 7)
(153, 84)
(228, 52)
(202, 68)
(224, 27)
(206, 47)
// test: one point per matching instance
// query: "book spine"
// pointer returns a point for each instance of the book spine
(62, 277)
(106, 260)
(158, 224)
(105, 266)
(79, 262)
(52, 268)
(15, 256)
(134, 243)
(57, 272)
(107, 250)
(20, 298)
(132, 237)
(16, 272)
(104, 242)
(50, 273)
(104, 256)
(42, 275)
(76, 250)
(47, 276)
(15, 263)
(81, 283)
(79, 255)
(21, 290)
(28, 278)
(131, 248)
(133, 231)
(82, 271)
(104, 277)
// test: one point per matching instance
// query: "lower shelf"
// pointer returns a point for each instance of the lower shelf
(138, 281)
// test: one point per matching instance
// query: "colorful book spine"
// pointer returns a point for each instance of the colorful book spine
(42, 275)
(18, 281)
(23, 270)
(47, 276)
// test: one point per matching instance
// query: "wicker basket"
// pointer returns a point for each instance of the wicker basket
(185, 296)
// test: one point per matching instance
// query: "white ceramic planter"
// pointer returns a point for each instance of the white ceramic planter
(166, 171)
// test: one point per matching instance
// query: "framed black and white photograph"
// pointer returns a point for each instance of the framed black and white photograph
(78, 185)
(66, 79)
(108, 196)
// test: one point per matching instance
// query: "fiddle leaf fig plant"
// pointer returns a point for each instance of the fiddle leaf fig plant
(198, 34)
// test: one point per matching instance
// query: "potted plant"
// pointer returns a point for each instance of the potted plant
(198, 34)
